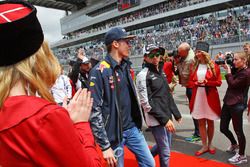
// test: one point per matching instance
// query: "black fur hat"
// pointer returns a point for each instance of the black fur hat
(21, 34)
(202, 45)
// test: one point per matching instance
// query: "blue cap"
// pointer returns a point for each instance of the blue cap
(115, 34)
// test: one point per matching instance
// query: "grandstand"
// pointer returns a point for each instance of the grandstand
(224, 24)
(67, 5)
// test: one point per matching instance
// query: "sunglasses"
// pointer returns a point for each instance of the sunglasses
(154, 53)
(127, 41)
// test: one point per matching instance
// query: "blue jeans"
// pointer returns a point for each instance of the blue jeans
(162, 146)
(136, 143)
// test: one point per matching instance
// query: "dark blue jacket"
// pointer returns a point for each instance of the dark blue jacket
(104, 117)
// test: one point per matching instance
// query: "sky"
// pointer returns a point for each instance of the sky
(50, 21)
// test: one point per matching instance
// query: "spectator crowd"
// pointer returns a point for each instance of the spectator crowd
(216, 28)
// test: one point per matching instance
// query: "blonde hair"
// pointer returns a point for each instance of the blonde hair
(246, 44)
(242, 55)
(38, 71)
(208, 60)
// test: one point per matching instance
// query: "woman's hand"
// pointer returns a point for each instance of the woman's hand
(201, 82)
(80, 106)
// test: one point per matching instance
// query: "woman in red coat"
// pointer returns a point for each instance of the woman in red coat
(34, 130)
(205, 103)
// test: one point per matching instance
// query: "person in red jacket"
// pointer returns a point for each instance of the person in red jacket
(205, 103)
(34, 130)
(167, 68)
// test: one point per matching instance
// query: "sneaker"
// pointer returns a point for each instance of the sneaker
(193, 138)
(233, 148)
(238, 159)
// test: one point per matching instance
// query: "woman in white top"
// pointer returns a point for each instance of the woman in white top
(205, 103)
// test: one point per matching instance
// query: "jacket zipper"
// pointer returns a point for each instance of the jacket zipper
(107, 119)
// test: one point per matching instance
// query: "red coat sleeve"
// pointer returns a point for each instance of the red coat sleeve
(216, 80)
(61, 143)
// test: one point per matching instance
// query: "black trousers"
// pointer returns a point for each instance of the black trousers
(234, 112)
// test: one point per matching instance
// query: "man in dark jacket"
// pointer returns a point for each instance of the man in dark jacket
(158, 104)
(116, 118)
(80, 70)
(85, 68)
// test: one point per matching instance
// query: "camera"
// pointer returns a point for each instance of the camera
(72, 62)
(229, 58)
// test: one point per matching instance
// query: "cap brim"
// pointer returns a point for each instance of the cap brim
(129, 37)
(87, 62)
(154, 50)
(148, 52)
